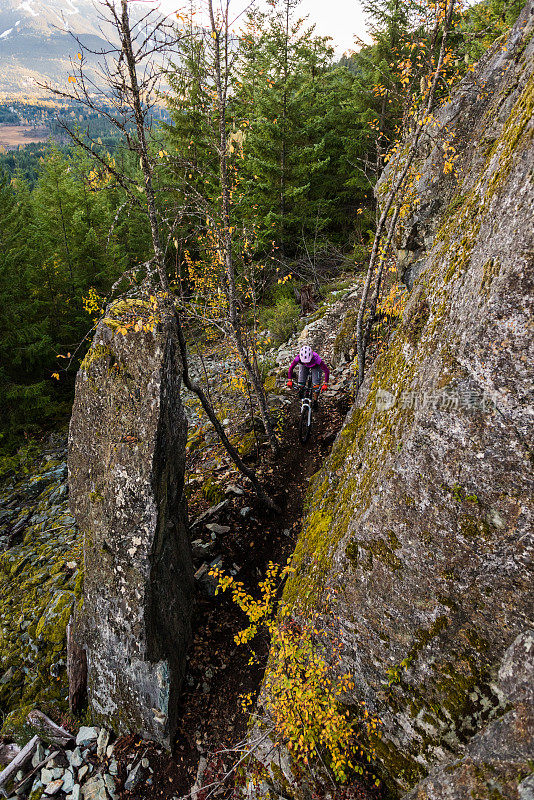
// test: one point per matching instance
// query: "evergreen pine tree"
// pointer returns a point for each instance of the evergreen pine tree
(191, 143)
(281, 67)
(25, 393)
(485, 22)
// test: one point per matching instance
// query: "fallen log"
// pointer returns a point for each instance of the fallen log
(48, 729)
(18, 762)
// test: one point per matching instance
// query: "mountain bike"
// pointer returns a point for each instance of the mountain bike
(305, 422)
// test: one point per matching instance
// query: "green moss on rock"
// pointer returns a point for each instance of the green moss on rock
(270, 383)
(94, 354)
(432, 620)
(37, 593)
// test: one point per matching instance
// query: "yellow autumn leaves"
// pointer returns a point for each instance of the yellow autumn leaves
(303, 686)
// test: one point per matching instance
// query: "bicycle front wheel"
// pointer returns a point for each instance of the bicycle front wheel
(305, 424)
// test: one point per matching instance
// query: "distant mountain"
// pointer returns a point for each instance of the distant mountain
(19, 18)
(36, 40)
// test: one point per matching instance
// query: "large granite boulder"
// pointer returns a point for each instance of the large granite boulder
(420, 523)
(126, 473)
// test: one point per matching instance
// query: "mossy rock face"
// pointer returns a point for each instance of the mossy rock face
(40, 579)
(53, 623)
(496, 764)
(418, 527)
(212, 491)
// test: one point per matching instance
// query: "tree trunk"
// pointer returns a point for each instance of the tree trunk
(382, 262)
(18, 762)
(76, 671)
(8, 752)
(360, 336)
(48, 729)
(146, 168)
(206, 405)
(307, 303)
(225, 238)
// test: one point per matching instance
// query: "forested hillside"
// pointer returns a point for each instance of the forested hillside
(266, 411)
(307, 138)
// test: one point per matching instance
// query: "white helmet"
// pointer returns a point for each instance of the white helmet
(306, 354)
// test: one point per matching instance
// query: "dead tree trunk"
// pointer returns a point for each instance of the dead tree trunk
(18, 763)
(361, 336)
(76, 671)
(48, 728)
(305, 298)
(146, 168)
(206, 405)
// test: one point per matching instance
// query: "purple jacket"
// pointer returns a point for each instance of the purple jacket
(316, 361)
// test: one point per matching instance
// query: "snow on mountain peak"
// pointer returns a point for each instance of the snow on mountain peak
(26, 6)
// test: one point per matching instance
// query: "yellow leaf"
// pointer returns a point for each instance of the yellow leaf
(55, 375)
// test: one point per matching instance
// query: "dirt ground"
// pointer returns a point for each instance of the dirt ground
(11, 136)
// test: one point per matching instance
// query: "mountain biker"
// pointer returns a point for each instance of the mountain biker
(308, 360)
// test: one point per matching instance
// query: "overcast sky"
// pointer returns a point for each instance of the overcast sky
(340, 19)
(343, 20)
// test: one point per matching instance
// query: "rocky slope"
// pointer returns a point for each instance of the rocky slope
(40, 579)
(43, 549)
(420, 523)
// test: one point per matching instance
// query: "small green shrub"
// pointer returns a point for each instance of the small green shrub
(341, 284)
(361, 254)
(281, 291)
(266, 365)
(281, 320)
